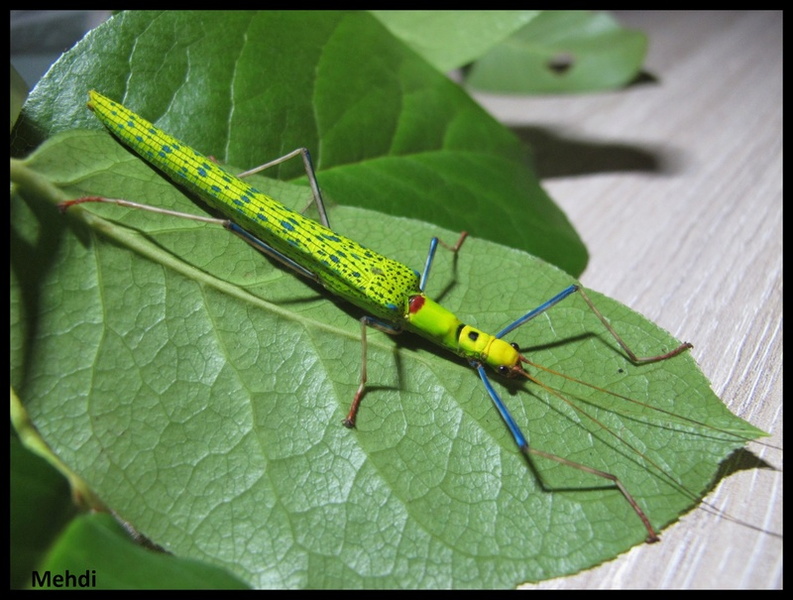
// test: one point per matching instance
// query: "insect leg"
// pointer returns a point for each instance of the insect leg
(231, 226)
(526, 450)
(66, 204)
(270, 251)
(349, 420)
(537, 311)
(431, 255)
(312, 178)
(636, 359)
(576, 288)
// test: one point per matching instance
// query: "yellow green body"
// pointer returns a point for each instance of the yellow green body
(383, 287)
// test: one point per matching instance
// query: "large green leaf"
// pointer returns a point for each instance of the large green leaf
(387, 131)
(199, 390)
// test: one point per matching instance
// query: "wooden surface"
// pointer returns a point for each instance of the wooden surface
(675, 186)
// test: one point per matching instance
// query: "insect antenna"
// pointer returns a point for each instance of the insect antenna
(669, 477)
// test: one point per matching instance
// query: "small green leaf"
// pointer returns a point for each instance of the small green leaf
(562, 51)
(451, 39)
(40, 507)
(96, 551)
(200, 390)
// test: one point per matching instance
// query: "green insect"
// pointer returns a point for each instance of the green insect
(392, 294)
